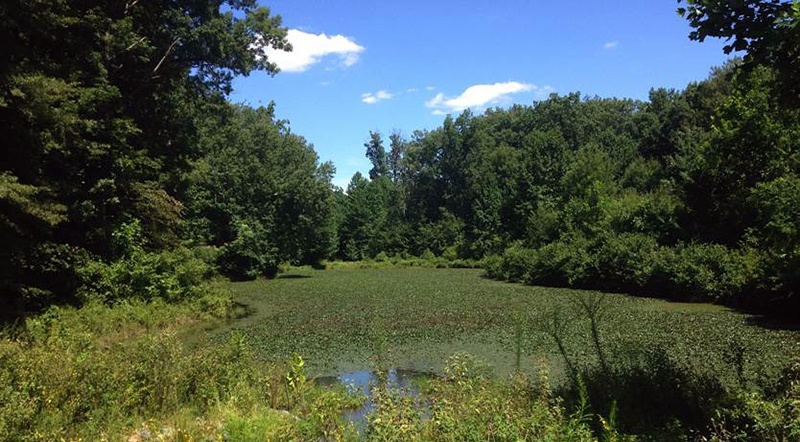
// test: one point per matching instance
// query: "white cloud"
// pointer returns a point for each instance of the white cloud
(611, 45)
(370, 98)
(482, 95)
(309, 49)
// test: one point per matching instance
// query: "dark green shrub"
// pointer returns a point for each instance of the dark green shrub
(562, 263)
(702, 272)
(46, 274)
(624, 262)
(771, 415)
(138, 274)
(654, 393)
(516, 262)
(250, 255)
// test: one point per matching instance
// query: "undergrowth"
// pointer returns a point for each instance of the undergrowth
(123, 373)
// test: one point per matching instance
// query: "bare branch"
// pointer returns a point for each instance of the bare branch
(166, 54)
(136, 43)
(130, 4)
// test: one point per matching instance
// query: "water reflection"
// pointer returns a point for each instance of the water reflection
(404, 381)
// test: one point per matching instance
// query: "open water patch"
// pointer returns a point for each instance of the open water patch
(402, 381)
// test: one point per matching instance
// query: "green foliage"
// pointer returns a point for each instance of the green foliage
(777, 231)
(656, 393)
(707, 272)
(101, 104)
(376, 154)
(440, 236)
(123, 372)
(260, 195)
(429, 260)
(250, 255)
(138, 274)
(767, 30)
(774, 415)
(514, 264)
(468, 404)
(634, 263)
(625, 262)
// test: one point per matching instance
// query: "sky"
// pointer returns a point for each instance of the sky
(399, 66)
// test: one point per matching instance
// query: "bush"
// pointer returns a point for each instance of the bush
(653, 392)
(516, 262)
(635, 263)
(467, 404)
(624, 262)
(82, 373)
(172, 276)
(703, 272)
(107, 373)
(774, 415)
(250, 255)
(562, 263)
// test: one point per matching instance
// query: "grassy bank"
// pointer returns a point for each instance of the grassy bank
(124, 373)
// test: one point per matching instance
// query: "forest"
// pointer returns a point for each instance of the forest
(128, 178)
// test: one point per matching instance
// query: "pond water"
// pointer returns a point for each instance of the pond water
(404, 381)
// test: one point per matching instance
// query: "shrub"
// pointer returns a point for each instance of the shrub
(703, 272)
(172, 276)
(516, 262)
(624, 262)
(250, 255)
(773, 415)
(469, 404)
(562, 263)
(654, 393)
(98, 372)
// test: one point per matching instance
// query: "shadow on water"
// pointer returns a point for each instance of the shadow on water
(293, 276)
(774, 322)
(404, 381)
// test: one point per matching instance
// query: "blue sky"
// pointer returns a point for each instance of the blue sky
(361, 66)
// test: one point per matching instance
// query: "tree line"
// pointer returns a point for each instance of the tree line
(690, 195)
(127, 173)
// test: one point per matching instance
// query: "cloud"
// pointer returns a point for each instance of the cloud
(309, 49)
(482, 95)
(370, 98)
(610, 45)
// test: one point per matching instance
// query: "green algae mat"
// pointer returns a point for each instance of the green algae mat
(351, 319)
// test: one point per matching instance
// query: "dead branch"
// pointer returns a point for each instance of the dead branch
(166, 54)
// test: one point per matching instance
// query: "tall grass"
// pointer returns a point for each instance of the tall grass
(123, 373)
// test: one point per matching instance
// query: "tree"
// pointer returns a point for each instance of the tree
(767, 30)
(260, 194)
(397, 152)
(100, 102)
(376, 154)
